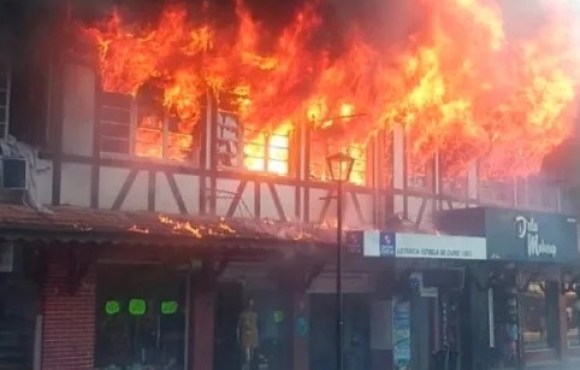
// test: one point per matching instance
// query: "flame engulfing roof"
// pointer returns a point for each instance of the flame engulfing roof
(471, 79)
(75, 224)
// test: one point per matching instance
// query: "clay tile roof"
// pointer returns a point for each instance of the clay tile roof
(75, 224)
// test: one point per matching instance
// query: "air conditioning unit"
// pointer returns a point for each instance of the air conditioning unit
(12, 173)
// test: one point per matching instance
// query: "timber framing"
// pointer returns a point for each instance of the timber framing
(250, 193)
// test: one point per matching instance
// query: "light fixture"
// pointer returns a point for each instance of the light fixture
(340, 166)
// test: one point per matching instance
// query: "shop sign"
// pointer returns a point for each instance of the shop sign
(528, 229)
(531, 236)
(403, 245)
(440, 246)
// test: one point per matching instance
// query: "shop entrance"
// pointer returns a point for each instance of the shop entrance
(19, 305)
(438, 311)
(270, 318)
(323, 332)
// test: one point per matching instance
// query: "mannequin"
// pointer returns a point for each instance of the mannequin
(248, 333)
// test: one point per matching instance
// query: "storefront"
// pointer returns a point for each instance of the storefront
(423, 307)
(527, 284)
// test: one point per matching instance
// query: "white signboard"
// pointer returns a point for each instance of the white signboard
(440, 246)
(403, 245)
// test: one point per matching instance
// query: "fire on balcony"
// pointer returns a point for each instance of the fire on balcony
(463, 82)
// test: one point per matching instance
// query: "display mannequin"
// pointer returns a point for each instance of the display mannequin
(248, 334)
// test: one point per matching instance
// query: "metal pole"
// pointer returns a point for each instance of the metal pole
(339, 295)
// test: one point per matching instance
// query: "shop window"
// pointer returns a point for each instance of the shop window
(4, 97)
(539, 316)
(253, 324)
(140, 127)
(573, 319)
(141, 321)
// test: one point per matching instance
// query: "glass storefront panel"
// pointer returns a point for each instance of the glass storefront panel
(140, 318)
(573, 319)
(253, 327)
(533, 305)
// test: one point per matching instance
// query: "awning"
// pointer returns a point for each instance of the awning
(85, 225)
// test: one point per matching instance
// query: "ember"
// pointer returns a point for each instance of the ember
(220, 228)
(463, 85)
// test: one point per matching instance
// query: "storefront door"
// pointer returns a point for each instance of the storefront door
(323, 332)
(272, 334)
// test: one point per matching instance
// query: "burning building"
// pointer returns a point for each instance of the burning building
(164, 163)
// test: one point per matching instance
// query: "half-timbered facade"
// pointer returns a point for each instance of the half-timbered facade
(93, 155)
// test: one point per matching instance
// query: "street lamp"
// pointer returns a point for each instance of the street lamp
(340, 166)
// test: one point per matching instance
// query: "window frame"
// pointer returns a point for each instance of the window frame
(330, 149)
(134, 110)
(241, 141)
(549, 292)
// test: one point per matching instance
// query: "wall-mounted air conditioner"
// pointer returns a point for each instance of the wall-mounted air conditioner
(12, 173)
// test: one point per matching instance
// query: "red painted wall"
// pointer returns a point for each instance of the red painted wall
(68, 333)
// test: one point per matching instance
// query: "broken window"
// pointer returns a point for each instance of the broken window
(253, 149)
(141, 127)
(321, 148)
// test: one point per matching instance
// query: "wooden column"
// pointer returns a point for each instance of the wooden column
(202, 329)
(563, 327)
(301, 331)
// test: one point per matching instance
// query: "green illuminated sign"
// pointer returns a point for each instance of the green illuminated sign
(137, 307)
(112, 307)
(169, 307)
(278, 316)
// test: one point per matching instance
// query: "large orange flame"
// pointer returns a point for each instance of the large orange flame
(462, 85)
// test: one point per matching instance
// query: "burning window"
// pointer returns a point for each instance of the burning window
(4, 97)
(141, 127)
(261, 150)
(267, 151)
(416, 167)
(320, 150)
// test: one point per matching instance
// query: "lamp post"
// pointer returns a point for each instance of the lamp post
(340, 167)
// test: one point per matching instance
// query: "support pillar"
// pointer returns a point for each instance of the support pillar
(202, 330)
(301, 332)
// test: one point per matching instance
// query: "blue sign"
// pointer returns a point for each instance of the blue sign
(354, 242)
(387, 245)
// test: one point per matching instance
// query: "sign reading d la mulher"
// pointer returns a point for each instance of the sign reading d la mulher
(531, 236)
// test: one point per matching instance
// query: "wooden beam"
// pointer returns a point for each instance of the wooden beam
(357, 207)
(176, 193)
(257, 199)
(421, 212)
(330, 194)
(125, 190)
(96, 163)
(151, 190)
(277, 202)
(237, 197)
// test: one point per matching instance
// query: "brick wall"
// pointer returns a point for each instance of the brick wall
(69, 321)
